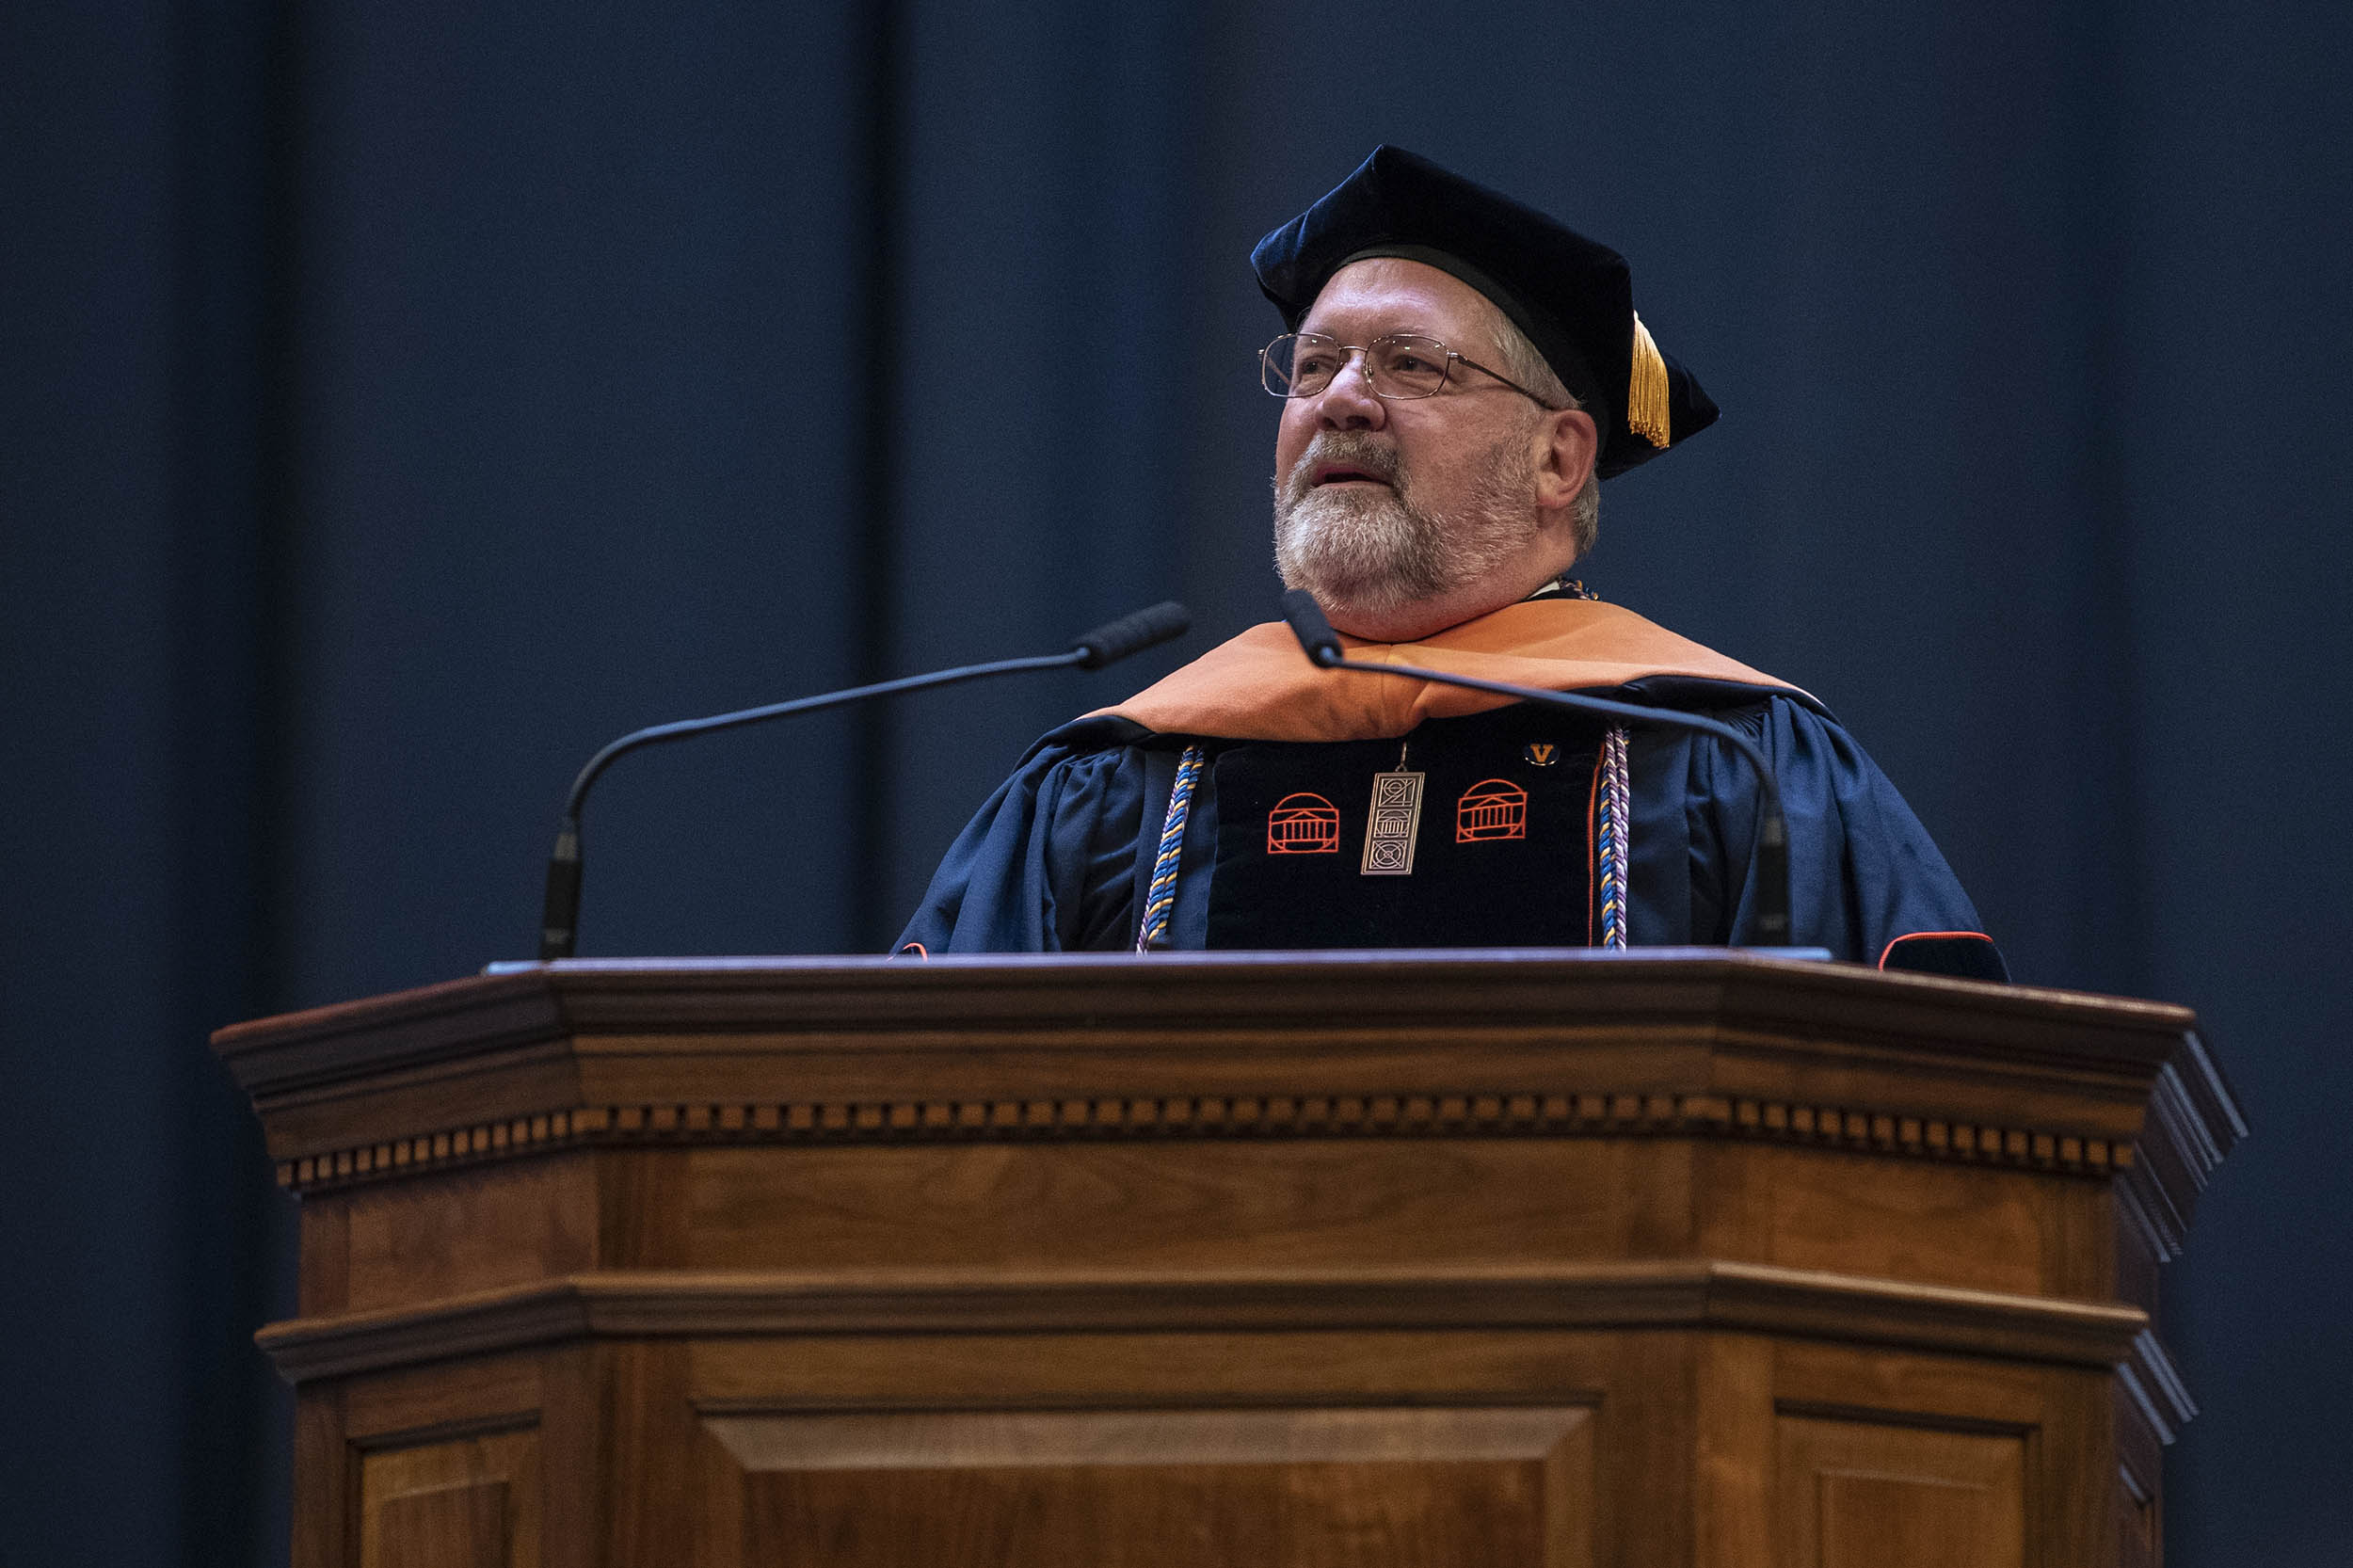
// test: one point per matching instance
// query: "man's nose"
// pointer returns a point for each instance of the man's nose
(1348, 401)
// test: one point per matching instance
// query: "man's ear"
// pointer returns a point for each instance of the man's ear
(1568, 443)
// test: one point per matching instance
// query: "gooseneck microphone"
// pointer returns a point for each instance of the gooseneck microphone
(1116, 640)
(1322, 644)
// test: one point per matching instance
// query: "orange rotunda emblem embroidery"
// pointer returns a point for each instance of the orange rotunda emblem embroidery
(1303, 824)
(1491, 808)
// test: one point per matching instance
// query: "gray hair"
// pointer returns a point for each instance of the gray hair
(1524, 364)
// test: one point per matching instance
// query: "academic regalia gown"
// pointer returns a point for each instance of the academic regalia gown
(1059, 858)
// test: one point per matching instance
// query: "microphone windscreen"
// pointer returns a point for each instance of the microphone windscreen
(1132, 633)
(1307, 623)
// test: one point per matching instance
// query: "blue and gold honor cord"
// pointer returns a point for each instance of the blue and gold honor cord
(1159, 898)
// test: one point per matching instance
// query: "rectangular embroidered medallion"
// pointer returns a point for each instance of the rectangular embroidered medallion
(1393, 825)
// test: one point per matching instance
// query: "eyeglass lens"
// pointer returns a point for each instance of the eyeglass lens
(1300, 365)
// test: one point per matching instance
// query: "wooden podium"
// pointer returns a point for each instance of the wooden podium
(1558, 1258)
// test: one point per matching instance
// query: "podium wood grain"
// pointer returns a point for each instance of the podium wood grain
(1525, 1257)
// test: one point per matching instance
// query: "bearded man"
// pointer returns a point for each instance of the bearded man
(1458, 373)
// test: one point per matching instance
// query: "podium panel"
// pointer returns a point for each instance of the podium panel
(1864, 1495)
(1540, 1259)
(1153, 1487)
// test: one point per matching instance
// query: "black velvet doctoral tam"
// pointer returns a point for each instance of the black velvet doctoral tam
(1572, 296)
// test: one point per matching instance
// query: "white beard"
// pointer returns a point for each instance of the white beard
(1374, 550)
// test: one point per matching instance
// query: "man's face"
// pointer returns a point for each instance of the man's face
(1380, 505)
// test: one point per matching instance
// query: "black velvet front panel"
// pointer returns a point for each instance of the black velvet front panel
(1491, 868)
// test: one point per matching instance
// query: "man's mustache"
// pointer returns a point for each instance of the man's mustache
(1374, 457)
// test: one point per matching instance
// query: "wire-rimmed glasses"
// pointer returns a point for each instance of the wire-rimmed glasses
(1398, 367)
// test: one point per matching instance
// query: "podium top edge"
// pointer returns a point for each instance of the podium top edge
(587, 995)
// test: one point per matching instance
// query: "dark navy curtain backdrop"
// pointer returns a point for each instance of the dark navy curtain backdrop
(396, 401)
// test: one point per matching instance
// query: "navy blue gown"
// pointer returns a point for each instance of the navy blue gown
(1057, 860)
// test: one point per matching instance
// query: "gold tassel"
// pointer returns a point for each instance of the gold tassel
(1646, 412)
